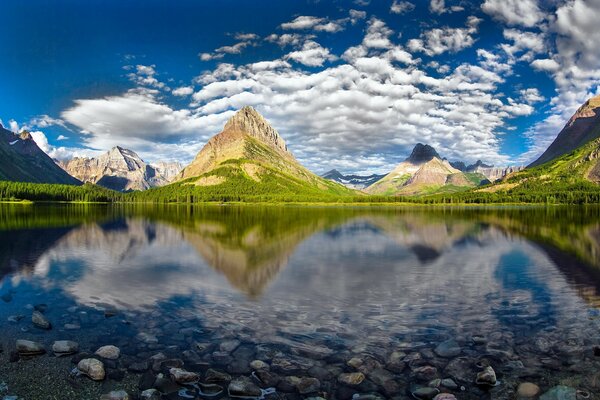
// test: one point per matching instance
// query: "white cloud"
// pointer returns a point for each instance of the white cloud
(514, 12)
(62, 137)
(356, 15)
(317, 24)
(145, 76)
(183, 91)
(288, 39)
(401, 7)
(526, 45)
(437, 6)
(312, 54)
(545, 64)
(245, 40)
(531, 95)
(440, 40)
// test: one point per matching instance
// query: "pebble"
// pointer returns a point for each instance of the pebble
(109, 352)
(448, 349)
(486, 377)
(64, 347)
(352, 378)
(150, 394)
(147, 338)
(38, 320)
(214, 376)
(243, 387)
(183, 377)
(304, 384)
(425, 393)
(92, 368)
(528, 389)
(29, 348)
(116, 395)
(258, 364)
(445, 396)
(229, 345)
(560, 393)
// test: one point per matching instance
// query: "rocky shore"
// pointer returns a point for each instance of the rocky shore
(102, 353)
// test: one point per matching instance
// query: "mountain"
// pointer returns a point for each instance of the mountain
(121, 169)
(352, 181)
(424, 171)
(22, 160)
(583, 126)
(249, 157)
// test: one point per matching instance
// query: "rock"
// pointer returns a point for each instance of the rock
(229, 345)
(141, 366)
(528, 389)
(214, 376)
(243, 387)
(486, 377)
(147, 338)
(64, 348)
(445, 396)
(29, 348)
(183, 377)
(92, 368)
(448, 349)
(116, 395)
(150, 394)
(165, 385)
(560, 393)
(258, 364)
(425, 393)
(210, 389)
(351, 379)
(40, 321)
(15, 318)
(109, 352)
(303, 384)
(449, 384)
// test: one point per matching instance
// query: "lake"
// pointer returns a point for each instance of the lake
(298, 302)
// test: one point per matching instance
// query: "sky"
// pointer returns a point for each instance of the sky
(352, 85)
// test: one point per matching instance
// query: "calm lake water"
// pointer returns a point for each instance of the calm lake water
(404, 296)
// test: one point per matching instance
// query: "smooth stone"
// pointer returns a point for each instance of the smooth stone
(445, 396)
(64, 347)
(259, 364)
(486, 377)
(229, 345)
(147, 338)
(183, 377)
(38, 319)
(92, 368)
(449, 384)
(560, 393)
(303, 384)
(243, 387)
(425, 393)
(528, 389)
(29, 348)
(210, 389)
(351, 379)
(214, 376)
(150, 394)
(116, 395)
(448, 348)
(109, 352)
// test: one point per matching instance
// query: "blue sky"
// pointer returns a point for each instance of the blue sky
(352, 85)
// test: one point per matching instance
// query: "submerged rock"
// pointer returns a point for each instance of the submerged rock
(29, 348)
(92, 368)
(560, 393)
(150, 394)
(109, 352)
(528, 389)
(183, 377)
(64, 347)
(352, 378)
(486, 377)
(38, 320)
(243, 387)
(424, 393)
(214, 376)
(447, 349)
(116, 395)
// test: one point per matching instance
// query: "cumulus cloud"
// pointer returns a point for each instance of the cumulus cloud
(401, 7)
(514, 12)
(440, 40)
(183, 91)
(288, 39)
(312, 54)
(244, 40)
(145, 76)
(305, 22)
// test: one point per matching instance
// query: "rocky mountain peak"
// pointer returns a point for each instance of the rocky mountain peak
(422, 153)
(251, 122)
(25, 135)
(587, 110)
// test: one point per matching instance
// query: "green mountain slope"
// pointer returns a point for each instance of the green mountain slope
(248, 160)
(22, 160)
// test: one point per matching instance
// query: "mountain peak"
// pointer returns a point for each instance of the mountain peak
(25, 135)
(422, 153)
(251, 122)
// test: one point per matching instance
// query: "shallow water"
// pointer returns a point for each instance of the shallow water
(313, 292)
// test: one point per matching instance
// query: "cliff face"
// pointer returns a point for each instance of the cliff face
(121, 169)
(583, 127)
